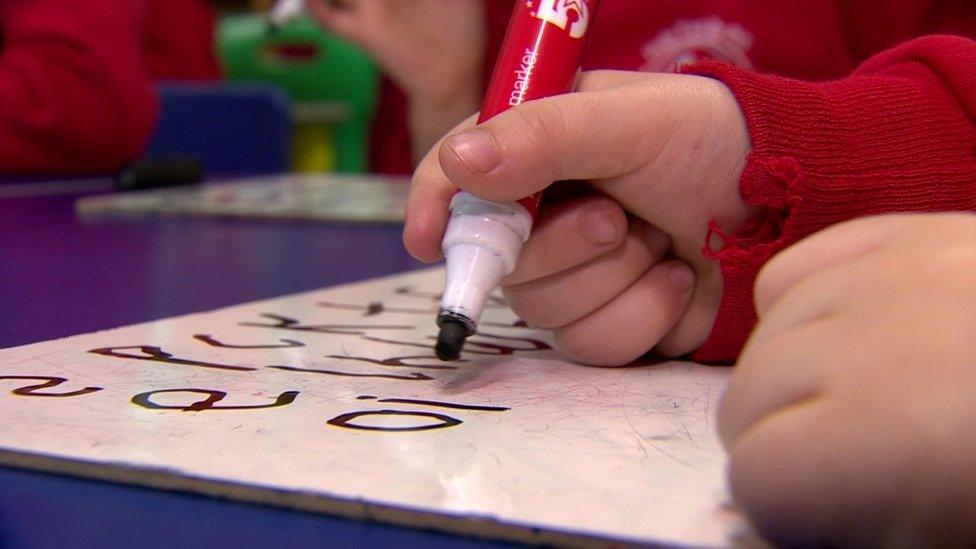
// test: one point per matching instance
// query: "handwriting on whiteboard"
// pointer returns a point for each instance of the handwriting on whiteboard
(505, 338)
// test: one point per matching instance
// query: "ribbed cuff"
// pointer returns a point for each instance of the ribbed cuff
(892, 140)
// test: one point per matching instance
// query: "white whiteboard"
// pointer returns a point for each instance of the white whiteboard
(335, 419)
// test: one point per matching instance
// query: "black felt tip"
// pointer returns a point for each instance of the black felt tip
(450, 340)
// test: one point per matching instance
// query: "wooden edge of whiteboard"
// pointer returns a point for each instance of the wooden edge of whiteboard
(474, 526)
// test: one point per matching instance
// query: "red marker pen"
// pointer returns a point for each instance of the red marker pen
(540, 57)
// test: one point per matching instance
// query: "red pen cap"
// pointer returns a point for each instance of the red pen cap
(540, 57)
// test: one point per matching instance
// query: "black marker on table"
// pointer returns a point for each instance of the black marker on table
(152, 173)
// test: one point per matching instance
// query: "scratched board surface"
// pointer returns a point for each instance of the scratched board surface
(331, 401)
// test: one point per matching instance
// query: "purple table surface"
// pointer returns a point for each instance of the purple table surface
(60, 276)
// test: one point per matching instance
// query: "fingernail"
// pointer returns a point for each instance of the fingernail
(681, 277)
(599, 227)
(476, 149)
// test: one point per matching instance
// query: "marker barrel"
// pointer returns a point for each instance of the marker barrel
(540, 57)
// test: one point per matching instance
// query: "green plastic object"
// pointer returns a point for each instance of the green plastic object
(322, 73)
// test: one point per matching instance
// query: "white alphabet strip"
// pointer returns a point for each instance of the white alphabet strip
(332, 401)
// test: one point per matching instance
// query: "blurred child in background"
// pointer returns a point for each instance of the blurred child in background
(75, 77)
(436, 55)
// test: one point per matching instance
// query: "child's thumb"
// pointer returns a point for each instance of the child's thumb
(583, 135)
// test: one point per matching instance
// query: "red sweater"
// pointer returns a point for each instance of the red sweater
(75, 92)
(845, 122)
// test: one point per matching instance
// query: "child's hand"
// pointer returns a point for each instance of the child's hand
(851, 417)
(434, 50)
(431, 48)
(667, 149)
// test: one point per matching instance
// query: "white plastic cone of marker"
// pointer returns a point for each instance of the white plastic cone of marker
(481, 245)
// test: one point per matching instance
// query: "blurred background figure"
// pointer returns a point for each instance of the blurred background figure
(437, 55)
(357, 85)
(434, 55)
(75, 78)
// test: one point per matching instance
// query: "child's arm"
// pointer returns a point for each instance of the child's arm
(849, 417)
(74, 95)
(897, 135)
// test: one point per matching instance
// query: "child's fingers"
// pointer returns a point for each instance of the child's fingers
(774, 375)
(779, 394)
(633, 322)
(790, 475)
(427, 212)
(586, 135)
(428, 205)
(569, 295)
(568, 234)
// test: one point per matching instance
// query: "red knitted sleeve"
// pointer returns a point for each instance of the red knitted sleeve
(179, 40)
(898, 135)
(74, 95)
